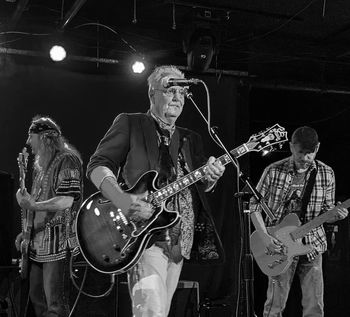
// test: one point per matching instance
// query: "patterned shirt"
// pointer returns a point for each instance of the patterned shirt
(54, 232)
(179, 239)
(275, 187)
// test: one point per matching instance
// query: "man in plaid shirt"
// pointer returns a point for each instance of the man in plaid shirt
(282, 185)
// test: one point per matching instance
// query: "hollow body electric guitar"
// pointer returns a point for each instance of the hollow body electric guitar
(290, 233)
(27, 216)
(112, 243)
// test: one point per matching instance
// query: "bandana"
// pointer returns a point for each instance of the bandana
(163, 125)
(39, 127)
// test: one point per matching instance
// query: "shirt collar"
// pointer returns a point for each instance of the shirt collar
(163, 125)
(291, 169)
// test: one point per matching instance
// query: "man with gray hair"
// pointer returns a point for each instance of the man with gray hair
(137, 143)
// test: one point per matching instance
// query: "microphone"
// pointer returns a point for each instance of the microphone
(168, 82)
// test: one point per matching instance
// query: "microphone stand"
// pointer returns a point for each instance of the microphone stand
(247, 261)
(248, 273)
(245, 179)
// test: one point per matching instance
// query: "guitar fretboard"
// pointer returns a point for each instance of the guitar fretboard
(328, 215)
(194, 176)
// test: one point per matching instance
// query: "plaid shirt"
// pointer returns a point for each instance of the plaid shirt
(274, 186)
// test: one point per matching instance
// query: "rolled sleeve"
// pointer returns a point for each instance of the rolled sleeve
(99, 174)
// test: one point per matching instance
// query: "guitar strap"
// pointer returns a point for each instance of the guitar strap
(307, 193)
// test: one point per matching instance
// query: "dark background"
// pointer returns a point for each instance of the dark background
(283, 62)
(85, 105)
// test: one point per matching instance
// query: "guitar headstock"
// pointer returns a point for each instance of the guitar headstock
(22, 161)
(268, 139)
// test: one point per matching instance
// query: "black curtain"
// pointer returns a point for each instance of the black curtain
(230, 114)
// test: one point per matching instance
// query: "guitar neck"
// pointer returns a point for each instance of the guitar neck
(194, 176)
(306, 228)
(22, 185)
(328, 215)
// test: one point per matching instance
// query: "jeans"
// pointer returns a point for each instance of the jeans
(49, 288)
(311, 281)
(152, 283)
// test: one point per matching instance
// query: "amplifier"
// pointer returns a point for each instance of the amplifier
(185, 302)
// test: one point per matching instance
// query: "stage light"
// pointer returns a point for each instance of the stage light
(138, 67)
(58, 53)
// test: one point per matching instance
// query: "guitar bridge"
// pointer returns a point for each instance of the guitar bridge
(276, 262)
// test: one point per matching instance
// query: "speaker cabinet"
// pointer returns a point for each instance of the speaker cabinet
(185, 302)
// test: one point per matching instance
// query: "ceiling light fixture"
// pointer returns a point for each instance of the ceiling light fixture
(58, 53)
(138, 67)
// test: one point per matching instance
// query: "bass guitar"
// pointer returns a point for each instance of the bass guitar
(289, 233)
(27, 216)
(111, 243)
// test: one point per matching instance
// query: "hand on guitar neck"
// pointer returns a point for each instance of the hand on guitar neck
(339, 213)
(25, 200)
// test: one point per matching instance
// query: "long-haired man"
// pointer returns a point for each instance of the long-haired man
(56, 194)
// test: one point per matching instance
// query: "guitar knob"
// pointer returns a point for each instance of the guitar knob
(105, 258)
(116, 247)
(120, 229)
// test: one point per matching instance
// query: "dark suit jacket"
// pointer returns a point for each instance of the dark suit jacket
(130, 148)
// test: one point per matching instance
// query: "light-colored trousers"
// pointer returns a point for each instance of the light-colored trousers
(311, 282)
(152, 283)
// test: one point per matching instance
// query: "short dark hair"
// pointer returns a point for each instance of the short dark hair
(306, 137)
